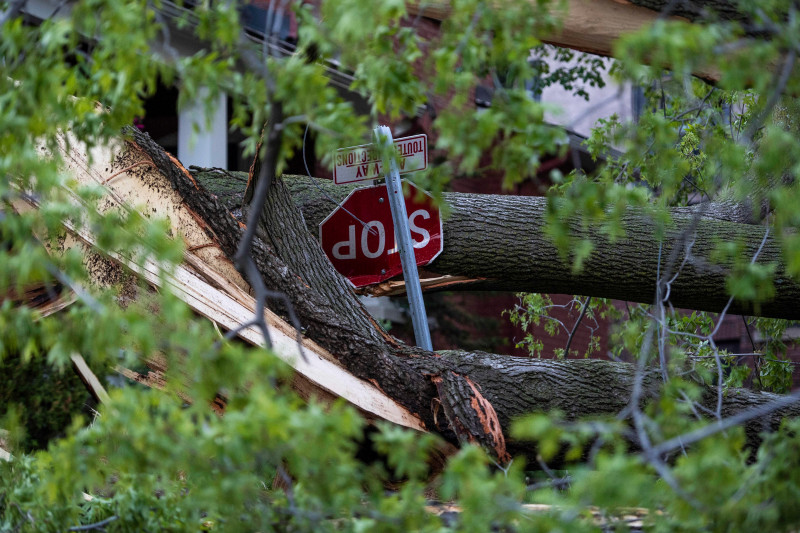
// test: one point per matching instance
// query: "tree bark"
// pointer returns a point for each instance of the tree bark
(497, 242)
(581, 388)
(464, 396)
(595, 25)
(696, 10)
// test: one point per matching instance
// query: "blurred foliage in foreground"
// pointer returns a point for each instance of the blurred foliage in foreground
(152, 461)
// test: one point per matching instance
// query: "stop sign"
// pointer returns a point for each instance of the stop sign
(358, 237)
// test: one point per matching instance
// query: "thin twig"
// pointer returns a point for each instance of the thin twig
(78, 289)
(166, 36)
(97, 525)
(544, 467)
(723, 425)
(577, 323)
(755, 354)
(757, 360)
(341, 206)
(243, 258)
(556, 483)
(782, 78)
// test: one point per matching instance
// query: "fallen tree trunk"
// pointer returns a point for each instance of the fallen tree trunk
(595, 25)
(207, 281)
(497, 242)
(463, 396)
(588, 25)
(582, 388)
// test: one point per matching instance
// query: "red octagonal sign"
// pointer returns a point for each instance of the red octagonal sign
(358, 237)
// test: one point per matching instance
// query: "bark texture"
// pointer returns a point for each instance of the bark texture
(290, 261)
(696, 10)
(498, 243)
(584, 387)
(462, 395)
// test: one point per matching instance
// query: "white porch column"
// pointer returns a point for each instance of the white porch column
(200, 142)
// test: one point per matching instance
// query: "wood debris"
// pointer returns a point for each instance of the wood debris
(207, 281)
(93, 384)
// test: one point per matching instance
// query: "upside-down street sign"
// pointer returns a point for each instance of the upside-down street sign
(359, 238)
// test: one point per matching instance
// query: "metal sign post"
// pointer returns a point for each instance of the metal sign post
(394, 189)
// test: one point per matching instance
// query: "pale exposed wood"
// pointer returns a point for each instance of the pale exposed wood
(588, 25)
(93, 384)
(435, 10)
(632, 517)
(398, 287)
(594, 25)
(208, 290)
(221, 308)
(246, 299)
(32, 297)
(140, 187)
(149, 380)
(66, 299)
(156, 380)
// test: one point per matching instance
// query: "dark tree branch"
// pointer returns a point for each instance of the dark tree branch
(575, 327)
(13, 10)
(738, 419)
(695, 10)
(97, 525)
(265, 177)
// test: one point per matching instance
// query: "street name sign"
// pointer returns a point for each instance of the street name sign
(363, 163)
(359, 236)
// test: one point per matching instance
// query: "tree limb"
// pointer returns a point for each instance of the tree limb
(481, 393)
(498, 242)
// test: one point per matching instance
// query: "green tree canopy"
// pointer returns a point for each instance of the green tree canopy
(676, 448)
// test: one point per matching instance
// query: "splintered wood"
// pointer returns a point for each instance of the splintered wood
(586, 25)
(91, 382)
(207, 281)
